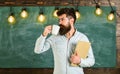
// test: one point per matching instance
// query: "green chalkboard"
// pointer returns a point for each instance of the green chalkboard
(17, 42)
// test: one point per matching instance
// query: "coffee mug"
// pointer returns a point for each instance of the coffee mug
(55, 29)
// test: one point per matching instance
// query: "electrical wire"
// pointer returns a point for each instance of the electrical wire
(110, 5)
(117, 14)
(112, 8)
(96, 2)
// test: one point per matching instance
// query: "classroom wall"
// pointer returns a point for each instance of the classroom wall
(18, 40)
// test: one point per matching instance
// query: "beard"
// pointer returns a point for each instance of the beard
(64, 29)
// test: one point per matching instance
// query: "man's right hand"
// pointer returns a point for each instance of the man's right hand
(47, 30)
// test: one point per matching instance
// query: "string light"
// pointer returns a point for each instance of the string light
(11, 17)
(77, 13)
(41, 17)
(24, 13)
(98, 10)
(55, 12)
(111, 16)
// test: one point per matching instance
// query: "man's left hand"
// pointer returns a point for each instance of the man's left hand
(75, 59)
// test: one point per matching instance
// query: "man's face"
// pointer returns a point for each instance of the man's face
(64, 24)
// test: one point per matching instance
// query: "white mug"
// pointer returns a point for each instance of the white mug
(55, 29)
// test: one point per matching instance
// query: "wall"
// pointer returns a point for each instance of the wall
(18, 41)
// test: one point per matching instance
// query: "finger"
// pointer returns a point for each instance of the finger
(76, 53)
(49, 28)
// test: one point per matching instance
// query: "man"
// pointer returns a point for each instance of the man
(64, 44)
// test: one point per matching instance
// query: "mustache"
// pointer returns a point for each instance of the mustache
(61, 25)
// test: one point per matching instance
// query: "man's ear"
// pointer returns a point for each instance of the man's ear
(71, 21)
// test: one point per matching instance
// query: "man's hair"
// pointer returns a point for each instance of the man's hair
(68, 12)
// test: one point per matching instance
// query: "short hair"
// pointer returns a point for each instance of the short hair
(68, 12)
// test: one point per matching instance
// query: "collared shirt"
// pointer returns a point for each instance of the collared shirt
(62, 49)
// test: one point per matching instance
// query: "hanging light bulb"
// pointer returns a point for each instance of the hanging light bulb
(41, 17)
(11, 19)
(111, 16)
(24, 13)
(98, 10)
(77, 13)
(55, 12)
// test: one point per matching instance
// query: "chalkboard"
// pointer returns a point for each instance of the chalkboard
(17, 41)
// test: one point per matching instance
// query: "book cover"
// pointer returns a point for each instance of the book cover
(82, 49)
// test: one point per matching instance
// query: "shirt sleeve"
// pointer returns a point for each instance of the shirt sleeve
(90, 60)
(41, 45)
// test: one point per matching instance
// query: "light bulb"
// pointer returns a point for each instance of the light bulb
(111, 16)
(98, 11)
(77, 13)
(11, 19)
(41, 18)
(55, 13)
(24, 13)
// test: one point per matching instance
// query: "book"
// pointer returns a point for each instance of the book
(82, 49)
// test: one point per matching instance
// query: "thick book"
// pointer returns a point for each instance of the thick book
(82, 49)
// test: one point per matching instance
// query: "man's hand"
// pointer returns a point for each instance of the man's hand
(47, 30)
(75, 59)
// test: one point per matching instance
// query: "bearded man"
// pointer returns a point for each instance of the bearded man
(64, 43)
